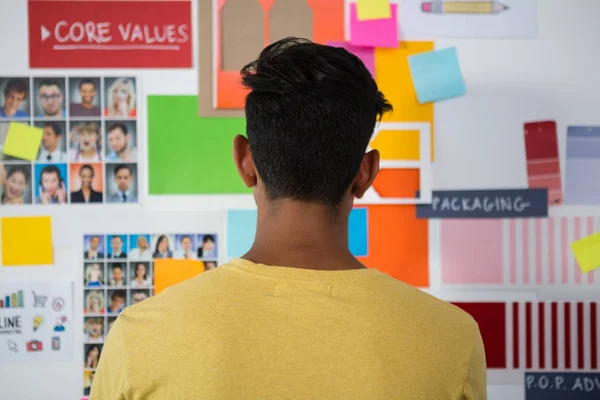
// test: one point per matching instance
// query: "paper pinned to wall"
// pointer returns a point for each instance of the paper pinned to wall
(374, 33)
(169, 272)
(543, 163)
(436, 75)
(583, 156)
(18, 235)
(587, 252)
(23, 141)
(373, 9)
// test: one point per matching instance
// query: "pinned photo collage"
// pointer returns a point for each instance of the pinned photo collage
(118, 271)
(88, 152)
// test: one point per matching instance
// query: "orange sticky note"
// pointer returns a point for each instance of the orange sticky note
(169, 272)
(26, 241)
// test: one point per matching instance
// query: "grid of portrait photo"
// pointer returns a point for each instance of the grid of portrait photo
(118, 272)
(89, 145)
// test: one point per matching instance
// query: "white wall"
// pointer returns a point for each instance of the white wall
(479, 144)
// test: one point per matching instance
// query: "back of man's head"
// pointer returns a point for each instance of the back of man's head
(310, 115)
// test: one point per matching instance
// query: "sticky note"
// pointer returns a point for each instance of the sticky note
(376, 32)
(587, 252)
(23, 141)
(26, 241)
(357, 232)
(169, 272)
(366, 54)
(436, 75)
(373, 9)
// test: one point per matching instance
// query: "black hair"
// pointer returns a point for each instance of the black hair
(208, 238)
(119, 293)
(118, 125)
(120, 266)
(185, 237)
(18, 168)
(123, 166)
(116, 236)
(160, 239)
(310, 114)
(16, 85)
(87, 166)
(55, 127)
(49, 82)
(50, 169)
(88, 81)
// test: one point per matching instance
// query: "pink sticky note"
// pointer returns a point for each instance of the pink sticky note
(374, 33)
(366, 54)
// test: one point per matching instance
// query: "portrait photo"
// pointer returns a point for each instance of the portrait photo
(162, 246)
(121, 141)
(93, 329)
(91, 355)
(88, 380)
(85, 97)
(139, 248)
(117, 301)
(111, 322)
(4, 128)
(120, 97)
(93, 247)
(185, 246)
(15, 97)
(138, 295)
(121, 183)
(54, 141)
(94, 302)
(94, 274)
(208, 265)
(49, 101)
(117, 274)
(85, 141)
(117, 246)
(207, 246)
(15, 184)
(51, 186)
(86, 184)
(140, 275)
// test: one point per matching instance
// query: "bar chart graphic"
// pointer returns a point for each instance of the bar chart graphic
(12, 300)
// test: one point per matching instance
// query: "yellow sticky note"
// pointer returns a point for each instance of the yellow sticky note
(169, 272)
(26, 241)
(23, 141)
(587, 252)
(373, 9)
(397, 145)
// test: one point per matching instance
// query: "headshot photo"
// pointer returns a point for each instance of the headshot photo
(88, 379)
(50, 184)
(208, 265)
(91, 355)
(84, 95)
(93, 247)
(207, 246)
(139, 248)
(121, 182)
(94, 302)
(94, 274)
(120, 97)
(117, 272)
(121, 141)
(184, 247)
(85, 140)
(93, 329)
(138, 295)
(50, 97)
(140, 275)
(117, 246)
(111, 322)
(54, 143)
(15, 184)
(85, 181)
(162, 246)
(14, 98)
(117, 301)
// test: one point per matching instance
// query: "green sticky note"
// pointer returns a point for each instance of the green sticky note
(23, 141)
(587, 252)
(188, 154)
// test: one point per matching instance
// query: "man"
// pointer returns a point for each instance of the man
(15, 92)
(116, 245)
(118, 141)
(51, 99)
(52, 188)
(185, 251)
(49, 150)
(118, 276)
(298, 317)
(117, 301)
(93, 253)
(87, 108)
(123, 178)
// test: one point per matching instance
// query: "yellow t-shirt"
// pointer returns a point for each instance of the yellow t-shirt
(251, 331)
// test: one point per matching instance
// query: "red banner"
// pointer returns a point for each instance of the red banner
(110, 34)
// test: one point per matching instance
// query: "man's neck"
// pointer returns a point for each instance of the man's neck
(302, 235)
(51, 149)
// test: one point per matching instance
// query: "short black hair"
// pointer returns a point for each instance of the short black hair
(119, 293)
(123, 166)
(310, 114)
(49, 82)
(55, 127)
(208, 238)
(50, 169)
(87, 166)
(16, 85)
(87, 81)
(118, 125)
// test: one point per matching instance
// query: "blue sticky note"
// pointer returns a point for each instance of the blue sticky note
(357, 232)
(436, 75)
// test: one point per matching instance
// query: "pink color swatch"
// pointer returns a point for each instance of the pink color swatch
(366, 54)
(374, 33)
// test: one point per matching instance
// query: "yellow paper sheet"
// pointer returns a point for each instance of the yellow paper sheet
(23, 141)
(373, 9)
(26, 241)
(397, 145)
(169, 272)
(587, 252)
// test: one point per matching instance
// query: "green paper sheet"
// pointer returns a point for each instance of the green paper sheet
(188, 154)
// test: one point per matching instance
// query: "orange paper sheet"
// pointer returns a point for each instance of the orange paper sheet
(169, 272)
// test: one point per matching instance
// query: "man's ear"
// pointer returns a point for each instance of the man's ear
(243, 161)
(369, 168)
